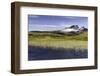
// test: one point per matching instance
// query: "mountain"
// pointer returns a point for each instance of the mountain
(74, 27)
(83, 29)
(73, 30)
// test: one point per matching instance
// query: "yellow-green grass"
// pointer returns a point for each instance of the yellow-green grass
(58, 41)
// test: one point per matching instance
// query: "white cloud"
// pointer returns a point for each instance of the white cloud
(45, 27)
(33, 25)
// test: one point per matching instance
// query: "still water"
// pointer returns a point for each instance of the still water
(40, 53)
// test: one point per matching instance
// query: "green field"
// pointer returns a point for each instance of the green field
(54, 40)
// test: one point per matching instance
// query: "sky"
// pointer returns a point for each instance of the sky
(51, 23)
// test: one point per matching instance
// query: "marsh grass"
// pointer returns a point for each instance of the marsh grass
(54, 40)
(59, 44)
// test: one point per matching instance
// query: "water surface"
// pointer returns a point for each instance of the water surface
(40, 53)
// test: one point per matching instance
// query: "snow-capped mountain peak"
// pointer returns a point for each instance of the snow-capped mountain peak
(74, 29)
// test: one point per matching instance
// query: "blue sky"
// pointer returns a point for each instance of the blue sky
(49, 23)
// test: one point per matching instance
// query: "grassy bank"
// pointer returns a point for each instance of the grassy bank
(55, 40)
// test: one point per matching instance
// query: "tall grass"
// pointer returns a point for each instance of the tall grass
(58, 40)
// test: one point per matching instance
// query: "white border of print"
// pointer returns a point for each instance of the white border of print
(25, 64)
